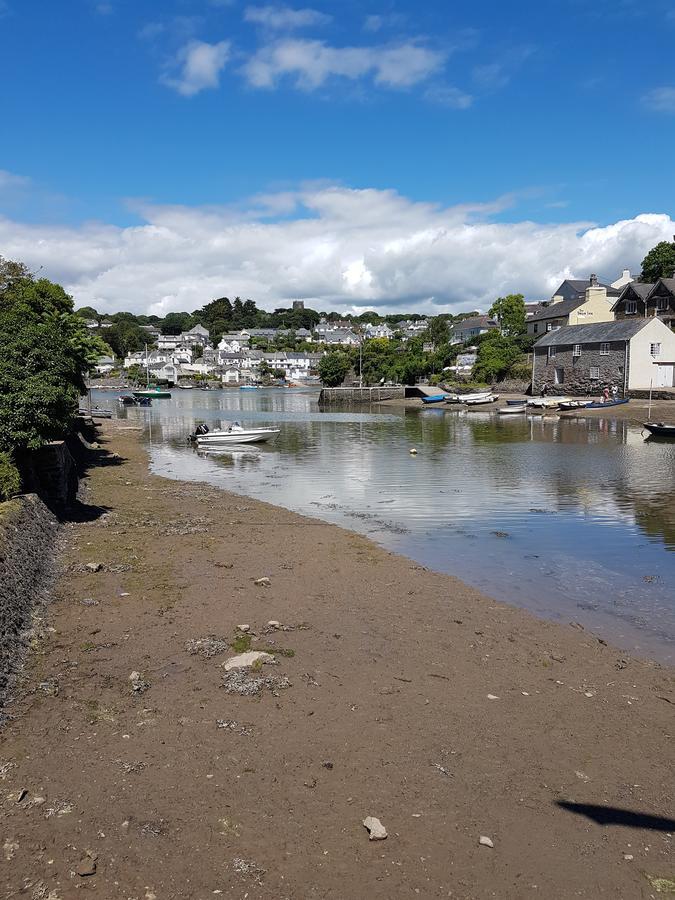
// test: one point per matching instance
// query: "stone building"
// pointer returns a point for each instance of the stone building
(639, 300)
(582, 359)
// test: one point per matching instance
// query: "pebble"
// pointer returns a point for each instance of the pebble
(377, 830)
(274, 624)
(628, 856)
(492, 697)
(94, 566)
(485, 841)
(263, 582)
(87, 866)
(244, 628)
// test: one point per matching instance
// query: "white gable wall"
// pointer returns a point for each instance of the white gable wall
(641, 368)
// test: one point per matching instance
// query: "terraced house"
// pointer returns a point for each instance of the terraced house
(642, 300)
(581, 359)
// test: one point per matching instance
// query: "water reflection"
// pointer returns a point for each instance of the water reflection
(572, 518)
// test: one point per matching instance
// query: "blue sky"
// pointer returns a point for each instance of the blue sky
(203, 119)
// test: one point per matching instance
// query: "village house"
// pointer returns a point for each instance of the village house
(104, 364)
(340, 336)
(467, 329)
(643, 300)
(378, 331)
(582, 359)
(575, 303)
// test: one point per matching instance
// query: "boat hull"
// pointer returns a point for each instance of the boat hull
(481, 401)
(159, 395)
(512, 410)
(224, 439)
(660, 429)
(605, 405)
(438, 398)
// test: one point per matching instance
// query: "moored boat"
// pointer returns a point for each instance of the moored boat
(600, 405)
(233, 434)
(434, 398)
(512, 409)
(574, 404)
(479, 401)
(468, 398)
(660, 429)
(154, 393)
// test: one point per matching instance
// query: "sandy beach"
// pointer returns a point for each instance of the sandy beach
(392, 692)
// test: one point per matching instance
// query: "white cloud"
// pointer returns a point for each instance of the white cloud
(9, 180)
(283, 18)
(200, 65)
(660, 100)
(334, 247)
(452, 97)
(311, 63)
(380, 22)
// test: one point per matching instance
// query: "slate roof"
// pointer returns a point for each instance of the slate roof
(475, 322)
(580, 285)
(557, 310)
(623, 330)
(669, 283)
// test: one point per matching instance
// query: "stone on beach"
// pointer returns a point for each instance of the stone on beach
(245, 660)
(377, 830)
(94, 566)
(485, 841)
(262, 582)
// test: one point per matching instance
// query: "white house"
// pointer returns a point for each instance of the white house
(630, 353)
(471, 328)
(378, 331)
(104, 364)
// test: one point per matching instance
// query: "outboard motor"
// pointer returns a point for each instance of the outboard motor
(202, 429)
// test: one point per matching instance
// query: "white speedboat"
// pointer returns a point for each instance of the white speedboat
(468, 398)
(233, 434)
(479, 401)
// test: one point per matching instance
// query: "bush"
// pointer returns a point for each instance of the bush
(520, 372)
(10, 480)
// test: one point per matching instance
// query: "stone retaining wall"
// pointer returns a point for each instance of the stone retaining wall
(27, 539)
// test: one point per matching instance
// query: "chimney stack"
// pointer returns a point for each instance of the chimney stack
(594, 281)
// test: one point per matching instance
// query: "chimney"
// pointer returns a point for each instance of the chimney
(593, 281)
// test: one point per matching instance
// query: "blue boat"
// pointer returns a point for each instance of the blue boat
(248, 387)
(601, 405)
(435, 398)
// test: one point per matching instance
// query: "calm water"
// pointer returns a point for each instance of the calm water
(571, 518)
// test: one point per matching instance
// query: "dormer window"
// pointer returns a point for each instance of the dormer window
(631, 307)
(662, 304)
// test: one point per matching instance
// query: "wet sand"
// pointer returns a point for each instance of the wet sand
(399, 693)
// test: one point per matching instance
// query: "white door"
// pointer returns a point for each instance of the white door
(664, 376)
(559, 376)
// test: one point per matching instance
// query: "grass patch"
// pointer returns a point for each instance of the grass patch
(280, 651)
(241, 642)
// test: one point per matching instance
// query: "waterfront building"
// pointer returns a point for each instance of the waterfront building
(575, 303)
(581, 359)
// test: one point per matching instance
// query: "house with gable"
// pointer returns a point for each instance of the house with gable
(642, 300)
(575, 303)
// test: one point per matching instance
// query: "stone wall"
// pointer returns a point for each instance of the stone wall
(52, 473)
(27, 537)
(576, 369)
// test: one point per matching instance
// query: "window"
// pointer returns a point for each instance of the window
(604, 349)
(577, 350)
(631, 307)
(549, 326)
(595, 373)
(551, 352)
(662, 303)
(536, 328)
(655, 349)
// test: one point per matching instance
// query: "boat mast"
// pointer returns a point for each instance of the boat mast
(649, 411)
(147, 369)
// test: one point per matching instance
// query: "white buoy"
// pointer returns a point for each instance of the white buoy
(413, 452)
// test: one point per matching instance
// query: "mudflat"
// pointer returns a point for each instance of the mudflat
(133, 764)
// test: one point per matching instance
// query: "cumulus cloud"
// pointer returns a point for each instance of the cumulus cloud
(283, 18)
(9, 180)
(199, 67)
(333, 247)
(310, 63)
(660, 100)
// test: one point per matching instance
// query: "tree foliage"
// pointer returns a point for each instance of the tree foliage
(659, 262)
(496, 354)
(509, 311)
(46, 349)
(333, 368)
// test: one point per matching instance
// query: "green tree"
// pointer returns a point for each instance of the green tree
(438, 331)
(659, 262)
(88, 312)
(125, 337)
(46, 350)
(333, 368)
(509, 311)
(496, 354)
(176, 322)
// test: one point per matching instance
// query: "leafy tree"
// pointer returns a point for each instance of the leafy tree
(88, 312)
(176, 322)
(125, 337)
(509, 311)
(438, 331)
(659, 262)
(333, 368)
(496, 353)
(46, 349)
(10, 480)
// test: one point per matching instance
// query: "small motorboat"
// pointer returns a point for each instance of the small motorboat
(660, 429)
(248, 387)
(233, 434)
(600, 405)
(512, 409)
(574, 404)
(480, 401)
(434, 398)
(127, 400)
(468, 398)
(153, 393)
